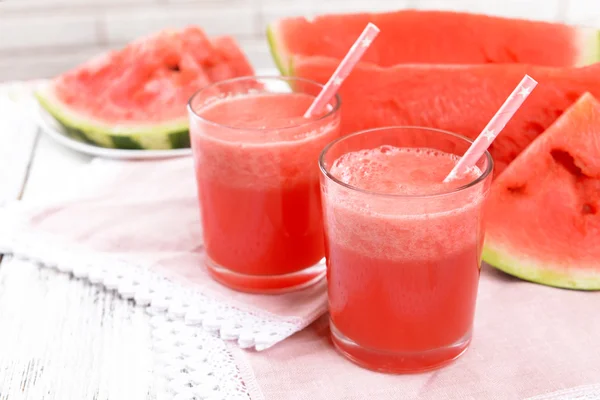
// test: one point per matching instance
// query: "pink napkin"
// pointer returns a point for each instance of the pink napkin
(134, 227)
(529, 340)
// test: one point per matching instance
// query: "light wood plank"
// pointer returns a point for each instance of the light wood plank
(51, 168)
(18, 135)
(61, 338)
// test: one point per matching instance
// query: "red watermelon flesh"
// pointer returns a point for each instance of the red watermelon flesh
(438, 37)
(460, 99)
(151, 79)
(543, 213)
(228, 60)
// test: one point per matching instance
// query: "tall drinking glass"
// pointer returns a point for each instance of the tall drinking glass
(258, 180)
(403, 248)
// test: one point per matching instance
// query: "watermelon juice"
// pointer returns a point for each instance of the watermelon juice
(258, 181)
(403, 248)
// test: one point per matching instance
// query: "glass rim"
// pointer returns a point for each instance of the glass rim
(331, 112)
(481, 178)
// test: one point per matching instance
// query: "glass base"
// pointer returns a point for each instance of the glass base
(267, 284)
(398, 362)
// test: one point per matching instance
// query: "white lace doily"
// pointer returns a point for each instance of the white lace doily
(193, 364)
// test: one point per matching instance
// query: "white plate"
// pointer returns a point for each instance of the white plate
(57, 133)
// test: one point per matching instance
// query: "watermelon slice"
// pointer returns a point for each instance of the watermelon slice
(437, 37)
(459, 99)
(543, 213)
(135, 98)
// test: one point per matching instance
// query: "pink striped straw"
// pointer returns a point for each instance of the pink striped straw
(343, 70)
(493, 128)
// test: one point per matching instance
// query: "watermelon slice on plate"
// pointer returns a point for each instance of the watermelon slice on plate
(543, 213)
(437, 37)
(135, 97)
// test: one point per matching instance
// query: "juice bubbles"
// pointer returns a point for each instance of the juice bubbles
(403, 248)
(258, 181)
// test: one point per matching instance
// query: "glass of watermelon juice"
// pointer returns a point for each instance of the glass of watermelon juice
(258, 180)
(403, 248)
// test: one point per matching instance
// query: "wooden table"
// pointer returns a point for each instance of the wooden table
(61, 338)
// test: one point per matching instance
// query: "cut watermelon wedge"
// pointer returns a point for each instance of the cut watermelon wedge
(437, 37)
(459, 99)
(135, 98)
(98, 130)
(543, 213)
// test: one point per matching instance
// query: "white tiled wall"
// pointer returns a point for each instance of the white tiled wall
(41, 38)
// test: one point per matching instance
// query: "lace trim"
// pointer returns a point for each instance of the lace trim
(193, 364)
(147, 288)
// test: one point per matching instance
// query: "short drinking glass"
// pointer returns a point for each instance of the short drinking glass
(258, 180)
(403, 248)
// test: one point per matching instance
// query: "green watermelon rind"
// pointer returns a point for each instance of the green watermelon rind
(526, 268)
(278, 51)
(162, 136)
(590, 43)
